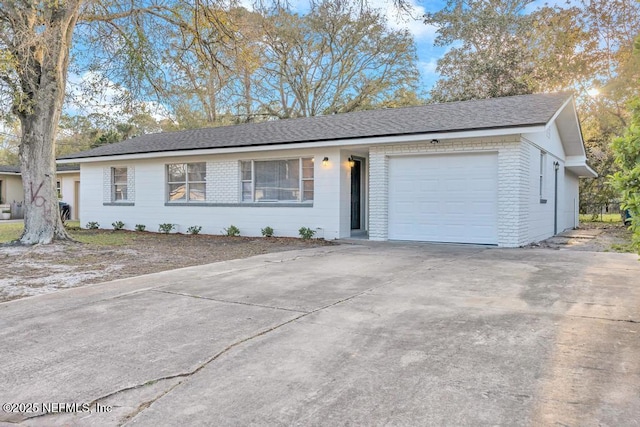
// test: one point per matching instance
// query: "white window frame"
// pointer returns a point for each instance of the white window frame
(59, 188)
(301, 180)
(187, 183)
(115, 185)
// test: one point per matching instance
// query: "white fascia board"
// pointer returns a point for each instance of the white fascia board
(579, 166)
(320, 144)
(560, 110)
(582, 171)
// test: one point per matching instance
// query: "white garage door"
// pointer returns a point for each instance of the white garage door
(444, 198)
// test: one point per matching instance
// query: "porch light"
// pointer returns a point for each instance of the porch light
(325, 161)
(351, 162)
(435, 141)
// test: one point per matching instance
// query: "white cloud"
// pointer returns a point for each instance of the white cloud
(411, 20)
(428, 67)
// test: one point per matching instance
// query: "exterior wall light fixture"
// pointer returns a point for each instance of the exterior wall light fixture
(325, 161)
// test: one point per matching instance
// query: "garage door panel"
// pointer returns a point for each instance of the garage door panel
(444, 198)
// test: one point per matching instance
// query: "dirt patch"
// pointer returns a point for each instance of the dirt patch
(591, 236)
(34, 270)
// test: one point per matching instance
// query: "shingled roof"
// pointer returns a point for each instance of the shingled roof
(495, 113)
(59, 168)
(9, 169)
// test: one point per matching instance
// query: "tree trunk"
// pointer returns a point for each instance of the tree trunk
(43, 75)
(42, 223)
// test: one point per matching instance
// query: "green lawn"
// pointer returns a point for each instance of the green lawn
(11, 231)
(610, 218)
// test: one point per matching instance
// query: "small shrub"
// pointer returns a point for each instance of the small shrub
(118, 225)
(140, 227)
(166, 228)
(194, 229)
(306, 233)
(232, 231)
(92, 225)
(267, 231)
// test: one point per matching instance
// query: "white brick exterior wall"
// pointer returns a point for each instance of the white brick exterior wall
(131, 184)
(223, 179)
(106, 185)
(513, 171)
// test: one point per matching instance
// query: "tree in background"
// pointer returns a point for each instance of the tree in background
(605, 115)
(627, 179)
(499, 50)
(335, 59)
(272, 63)
(627, 157)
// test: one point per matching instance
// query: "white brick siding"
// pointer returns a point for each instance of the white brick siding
(106, 185)
(223, 178)
(513, 170)
(131, 184)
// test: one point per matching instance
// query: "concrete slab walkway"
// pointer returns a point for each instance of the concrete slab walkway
(370, 334)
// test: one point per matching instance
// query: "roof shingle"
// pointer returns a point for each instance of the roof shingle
(495, 113)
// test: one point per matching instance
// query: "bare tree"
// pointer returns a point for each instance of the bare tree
(335, 59)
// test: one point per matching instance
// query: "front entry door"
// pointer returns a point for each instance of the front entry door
(355, 195)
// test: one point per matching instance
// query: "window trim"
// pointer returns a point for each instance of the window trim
(125, 183)
(187, 183)
(301, 198)
(542, 178)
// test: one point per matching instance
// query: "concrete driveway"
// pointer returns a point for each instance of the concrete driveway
(376, 334)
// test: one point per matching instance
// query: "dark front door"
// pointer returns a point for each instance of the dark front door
(355, 195)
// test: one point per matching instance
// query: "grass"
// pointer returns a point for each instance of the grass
(12, 231)
(608, 218)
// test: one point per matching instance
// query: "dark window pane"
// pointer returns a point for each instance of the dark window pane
(307, 186)
(177, 192)
(277, 180)
(197, 171)
(176, 172)
(246, 191)
(119, 175)
(246, 171)
(119, 192)
(197, 192)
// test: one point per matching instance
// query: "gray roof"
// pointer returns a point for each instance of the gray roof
(9, 169)
(495, 113)
(59, 168)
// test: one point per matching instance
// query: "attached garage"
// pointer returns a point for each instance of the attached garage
(444, 198)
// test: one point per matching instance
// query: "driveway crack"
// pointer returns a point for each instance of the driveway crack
(604, 318)
(229, 301)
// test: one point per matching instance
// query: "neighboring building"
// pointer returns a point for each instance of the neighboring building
(10, 185)
(67, 181)
(501, 171)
